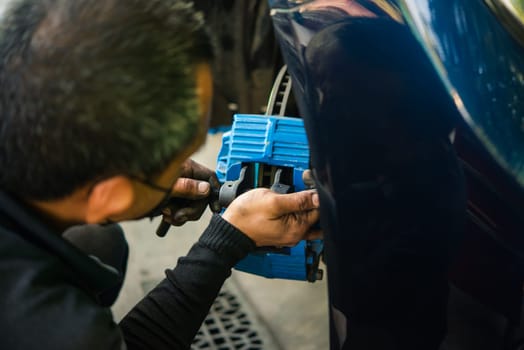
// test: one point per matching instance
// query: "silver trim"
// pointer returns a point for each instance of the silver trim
(510, 16)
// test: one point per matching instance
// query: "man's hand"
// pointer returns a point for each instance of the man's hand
(191, 194)
(272, 219)
(309, 180)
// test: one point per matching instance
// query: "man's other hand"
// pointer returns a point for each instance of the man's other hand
(191, 194)
(272, 219)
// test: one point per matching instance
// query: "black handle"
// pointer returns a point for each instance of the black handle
(162, 229)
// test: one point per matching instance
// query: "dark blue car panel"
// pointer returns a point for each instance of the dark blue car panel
(483, 67)
(393, 197)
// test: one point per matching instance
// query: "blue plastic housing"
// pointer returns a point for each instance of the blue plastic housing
(277, 141)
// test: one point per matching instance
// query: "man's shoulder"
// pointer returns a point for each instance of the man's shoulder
(20, 258)
(23, 264)
(40, 308)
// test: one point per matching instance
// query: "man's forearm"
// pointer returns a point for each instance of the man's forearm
(171, 314)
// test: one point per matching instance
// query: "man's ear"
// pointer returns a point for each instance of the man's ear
(109, 198)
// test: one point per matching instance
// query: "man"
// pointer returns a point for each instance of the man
(101, 103)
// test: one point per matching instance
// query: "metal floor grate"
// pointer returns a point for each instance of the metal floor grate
(229, 326)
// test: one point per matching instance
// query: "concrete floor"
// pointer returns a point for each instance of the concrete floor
(293, 314)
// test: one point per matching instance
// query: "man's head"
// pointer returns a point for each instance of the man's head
(92, 90)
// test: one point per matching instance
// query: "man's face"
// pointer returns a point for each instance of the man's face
(146, 197)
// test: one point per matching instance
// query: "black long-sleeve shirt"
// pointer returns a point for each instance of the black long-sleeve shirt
(49, 289)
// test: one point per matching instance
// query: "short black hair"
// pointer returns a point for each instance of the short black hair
(91, 89)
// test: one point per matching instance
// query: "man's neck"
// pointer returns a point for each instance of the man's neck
(59, 214)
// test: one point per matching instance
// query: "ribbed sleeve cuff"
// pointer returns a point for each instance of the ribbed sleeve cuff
(226, 240)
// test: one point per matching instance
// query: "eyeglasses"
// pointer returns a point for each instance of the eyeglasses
(151, 184)
(157, 210)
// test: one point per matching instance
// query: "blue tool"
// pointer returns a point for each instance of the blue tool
(272, 152)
